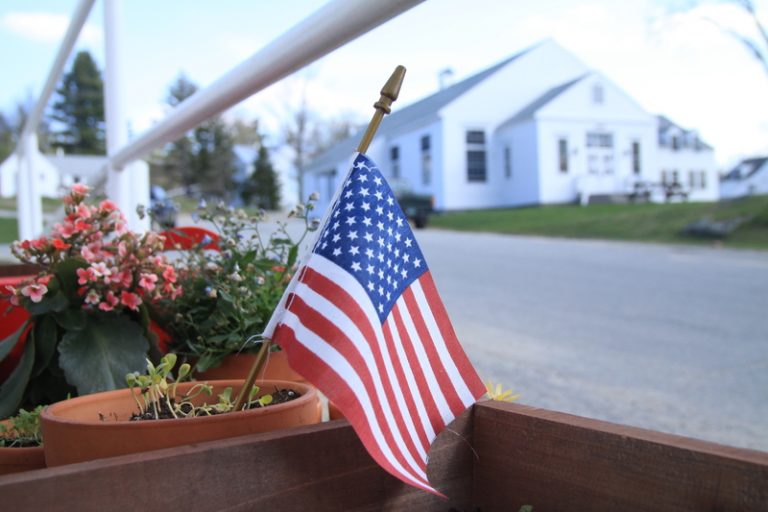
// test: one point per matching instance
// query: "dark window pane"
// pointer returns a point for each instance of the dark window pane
(476, 137)
(394, 153)
(425, 142)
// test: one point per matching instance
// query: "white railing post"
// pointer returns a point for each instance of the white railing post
(29, 206)
(127, 186)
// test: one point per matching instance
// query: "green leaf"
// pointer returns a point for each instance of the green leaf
(67, 274)
(7, 344)
(45, 337)
(71, 319)
(56, 302)
(98, 357)
(12, 390)
(292, 254)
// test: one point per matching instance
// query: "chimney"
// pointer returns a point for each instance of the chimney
(445, 78)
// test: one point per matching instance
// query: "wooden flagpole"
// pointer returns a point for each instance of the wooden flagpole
(383, 106)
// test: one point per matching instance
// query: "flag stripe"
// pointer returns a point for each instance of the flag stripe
(423, 388)
(464, 366)
(415, 408)
(451, 404)
(314, 310)
(338, 287)
(329, 358)
(447, 358)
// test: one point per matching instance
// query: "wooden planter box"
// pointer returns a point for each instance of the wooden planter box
(497, 458)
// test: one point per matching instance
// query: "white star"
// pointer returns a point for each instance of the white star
(389, 247)
(408, 242)
(369, 252)
(404, 273)
(363, 177)
(381, 257)
(336, 251)
(390, 216)
(380, 225)
(355, 250)
(399, 222)
(379, 195)
(381, 274)
(396, 268)
(336, 237)
(367, 221)
(365, 206)
(406, 257)
(349, 206)
(379, 210)
(348, 194)
(394, 284)
(335, 225)
(389, 230)
(390, 201)
(352, 235)
(336, 213)
(377, 180)
(350, 221)
(381, 290)
(370, 269)
(381, 308)
(368, 237)
(324, 245)
(389, 263)
(364, 192)
(398, 236)
(356, 266)
(389, 295)
(360, 165)
(370, 285)
(417, 263)
(381, 241)
(397, 252)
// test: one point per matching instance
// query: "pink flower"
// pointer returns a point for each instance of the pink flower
(35, 292)
(81, 225)
(83, 211)
(100, 269)
(84, 276)
(122, 249)
(105, 306)
(60, 244)
(107, 206)
(121, 228)
(88, 254)
(147, 281)
(80, 189)
(169, 274)
(92, 297)
(66, 230)
(130, 300)
(44, 280)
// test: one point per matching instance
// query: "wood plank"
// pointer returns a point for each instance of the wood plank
(560, 462)
(18, 269)
(320, 468)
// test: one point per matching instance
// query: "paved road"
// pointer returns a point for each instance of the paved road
(664, 337)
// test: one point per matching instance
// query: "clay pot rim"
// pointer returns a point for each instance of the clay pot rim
(48, 414)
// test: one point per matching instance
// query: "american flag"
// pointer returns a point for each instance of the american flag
(364, 323)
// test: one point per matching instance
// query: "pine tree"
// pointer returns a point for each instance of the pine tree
(204, 157)
(79, 109)
(7, 139)
(262, 188)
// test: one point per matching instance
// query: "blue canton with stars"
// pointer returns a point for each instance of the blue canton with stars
(368, 235)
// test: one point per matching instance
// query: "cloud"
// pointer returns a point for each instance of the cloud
(46, 27)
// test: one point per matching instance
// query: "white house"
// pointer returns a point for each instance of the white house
(44, 170)
(56, 172)
(748, 178)
(685, 160)
(538, 128)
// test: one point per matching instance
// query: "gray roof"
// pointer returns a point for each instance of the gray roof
(529, 110)
(666, 124)
(747, 168)
(416, 112)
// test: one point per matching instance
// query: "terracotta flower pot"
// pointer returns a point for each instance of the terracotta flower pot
(97, 426)
(237, 366)
(334, 413)
(16, 460)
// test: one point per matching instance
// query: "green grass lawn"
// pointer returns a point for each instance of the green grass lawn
(8, 230)
(50, 204)
(635, 222)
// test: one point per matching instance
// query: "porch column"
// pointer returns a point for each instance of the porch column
(128, 187)
(29, 205)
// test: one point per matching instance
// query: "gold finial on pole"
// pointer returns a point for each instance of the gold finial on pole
(389, 94)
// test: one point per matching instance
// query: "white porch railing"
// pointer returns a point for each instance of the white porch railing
(332, 26)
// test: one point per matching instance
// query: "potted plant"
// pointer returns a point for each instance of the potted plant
(231, 292)
(158, 411)
(21, 443)
(88, 305)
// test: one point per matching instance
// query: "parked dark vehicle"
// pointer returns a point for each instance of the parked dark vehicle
(417, 208)
(162, 209)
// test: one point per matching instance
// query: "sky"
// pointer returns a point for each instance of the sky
(674, 63)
